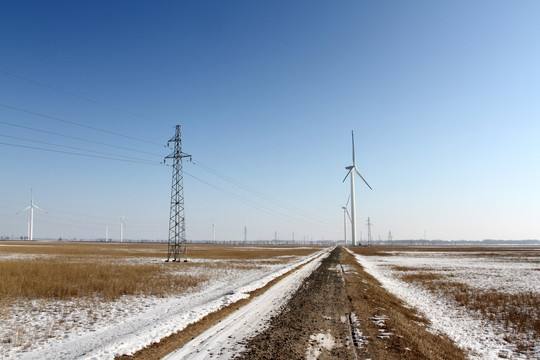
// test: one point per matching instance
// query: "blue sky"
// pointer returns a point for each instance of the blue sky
(443, 98)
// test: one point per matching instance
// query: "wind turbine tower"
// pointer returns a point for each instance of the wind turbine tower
(353, 202)
(122, 226)
(177, 226)
(345, 215)
(31, 207)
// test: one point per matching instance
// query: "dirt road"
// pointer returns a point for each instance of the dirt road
(338, 312)
(341, 312)
(313, 324)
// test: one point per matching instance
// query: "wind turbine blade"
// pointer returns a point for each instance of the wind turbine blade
(345, 178)
(37, 207)
(26, 208)
(349, 199)
(353, 160)
(362, 178)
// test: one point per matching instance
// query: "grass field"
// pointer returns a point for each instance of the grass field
(50, 289)
(35, 270)
(500, 285)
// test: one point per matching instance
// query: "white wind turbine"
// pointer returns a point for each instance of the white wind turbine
(345, 215)
(353, 202)
(122, 226)
(32, 206)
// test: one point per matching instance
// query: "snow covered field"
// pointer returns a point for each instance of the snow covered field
(91, 329)
(489, 271)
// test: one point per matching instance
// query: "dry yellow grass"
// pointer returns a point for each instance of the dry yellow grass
(54, 270)
(246, 252)
(499, 252)
(83, 249)
(518, 313)
(55, 279)
(124, 250)
(61, 280)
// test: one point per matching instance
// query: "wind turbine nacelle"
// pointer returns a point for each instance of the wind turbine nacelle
(348, 167)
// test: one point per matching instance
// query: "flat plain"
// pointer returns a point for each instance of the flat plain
(486, 299)
(106, 300)
(55, 293)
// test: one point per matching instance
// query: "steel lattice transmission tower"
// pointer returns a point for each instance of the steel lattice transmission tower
(369, 231)
(177, 221)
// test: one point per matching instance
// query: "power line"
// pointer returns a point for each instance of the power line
(77, 138)
(254, 204)
(82, 97)
(78, 124)
(220, 154)
(261, 195)
(72, 147)
(228, 193)
(79, 154)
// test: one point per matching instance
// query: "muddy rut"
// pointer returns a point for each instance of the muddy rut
(313, 324)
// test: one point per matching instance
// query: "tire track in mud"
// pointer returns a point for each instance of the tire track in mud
(314, 324)
(341, 312)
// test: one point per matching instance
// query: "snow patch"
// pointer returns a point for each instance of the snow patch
(359, 339)
(317, 343)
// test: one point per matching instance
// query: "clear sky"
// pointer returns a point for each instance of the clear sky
(443, 97)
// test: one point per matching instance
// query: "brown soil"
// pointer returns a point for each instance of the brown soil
(364, 320)
(339, 312)
(319, 307)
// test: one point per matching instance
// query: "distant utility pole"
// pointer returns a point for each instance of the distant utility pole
(390, 238)
(177, 222)
(369, 230)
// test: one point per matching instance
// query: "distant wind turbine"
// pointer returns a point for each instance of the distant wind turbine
(353, 205)
(32, 206)
(122, 226)
(345, 215)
